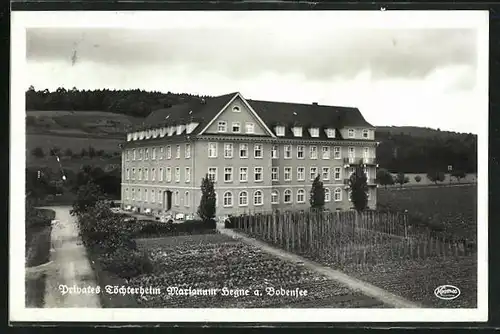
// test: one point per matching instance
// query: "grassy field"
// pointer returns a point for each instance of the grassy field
(217, 261)
(47, 141)
(79, 122)
(452, 208)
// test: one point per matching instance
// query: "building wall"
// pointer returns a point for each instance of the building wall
(243, 116)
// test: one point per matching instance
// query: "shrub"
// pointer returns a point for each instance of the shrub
(231, 222)
(317, 194)
(418, 178)
(38, 152)
(127, 264)
(206, 209)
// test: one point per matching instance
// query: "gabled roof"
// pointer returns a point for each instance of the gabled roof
(272, 113)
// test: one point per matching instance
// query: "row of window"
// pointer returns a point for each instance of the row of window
(153, 197)
(258, 151)
(258, 174)
(222, 127)
(242, 199)
(158, 153)
(243, 152)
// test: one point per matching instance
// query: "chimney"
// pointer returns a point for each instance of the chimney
(203, 101)
(315, 103)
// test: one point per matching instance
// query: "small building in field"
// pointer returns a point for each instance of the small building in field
(262, 155)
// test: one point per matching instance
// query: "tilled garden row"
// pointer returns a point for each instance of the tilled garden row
(198, 262)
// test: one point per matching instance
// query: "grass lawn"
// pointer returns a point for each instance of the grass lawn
(217, 261)
(454, 208)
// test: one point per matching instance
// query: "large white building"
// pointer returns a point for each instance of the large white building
(262, 155)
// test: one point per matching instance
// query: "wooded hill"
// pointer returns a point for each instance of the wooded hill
(407, 149)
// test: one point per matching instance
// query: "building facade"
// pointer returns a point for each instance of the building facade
(262, 156)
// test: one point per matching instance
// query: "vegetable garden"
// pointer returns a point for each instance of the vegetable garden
(377, 247)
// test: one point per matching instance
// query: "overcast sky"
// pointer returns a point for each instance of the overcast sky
(418, 77)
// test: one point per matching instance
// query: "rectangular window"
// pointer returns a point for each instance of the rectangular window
(249, 127)
(327, 195)
(133, 194)
(153, 174)
(146, 174)
(351, 133)
(177, 174)
(212, 173)
(128, 174)
(301, 173)
(236, 127)
(169, 152)
(140, 174)
(243, 174)
(257, 151)
(352, 152)
(288, 151)
(162, 152)
(330, 133)
(187, 174)
(178, 152)
(212, 150)
(126, 194)
(314, 132)
(153, 153)
(243, 150)
(146, 155)
(274, 174)
(145, 195)
(222, 126)
(228, 174)
(168, 175)
(133, 173)
(337, 195)
(153, 198)
(313, 152)
(159, 196)
(326, 173)
(325, 152)
(160, 176)
(258, 174)
(141, 152)
(186, 199)
(300, 152)
(366, 134)
(187, 151)
(287, 175)
(336, 173)
(228, 150)
(313, 172)
(336, 152)
(280, 131)
(274, 152)
(134, 154)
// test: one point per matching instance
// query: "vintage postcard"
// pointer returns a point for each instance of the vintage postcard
(225, 166)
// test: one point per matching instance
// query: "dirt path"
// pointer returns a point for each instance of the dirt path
(350, 282)
(69, 267)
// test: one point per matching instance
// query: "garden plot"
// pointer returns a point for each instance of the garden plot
(216, 261)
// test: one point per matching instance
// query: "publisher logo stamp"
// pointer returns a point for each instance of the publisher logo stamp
(447, 292)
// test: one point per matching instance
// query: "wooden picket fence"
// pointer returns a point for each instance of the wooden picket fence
(344, 237)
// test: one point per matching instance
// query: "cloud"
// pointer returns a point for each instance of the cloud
(314, 52)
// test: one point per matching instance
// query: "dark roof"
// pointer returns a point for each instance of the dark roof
(201, 112)
(272, 113)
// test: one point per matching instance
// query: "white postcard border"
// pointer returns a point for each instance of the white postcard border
(157, 20)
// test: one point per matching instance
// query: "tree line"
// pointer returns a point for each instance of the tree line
(396, 152)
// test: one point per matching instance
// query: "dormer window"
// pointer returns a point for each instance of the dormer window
(330, 133)
(350, 133)
(171, 130)
(314, 132)
(366, 134)
(129, 137)
(190, 127)
(297, 131)
(179, 129)
(280, 130)
(236, 109)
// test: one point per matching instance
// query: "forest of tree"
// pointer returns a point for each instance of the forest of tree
(409, 151)
(137, 103)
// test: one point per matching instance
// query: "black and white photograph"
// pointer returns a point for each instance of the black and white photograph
(249, 166)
